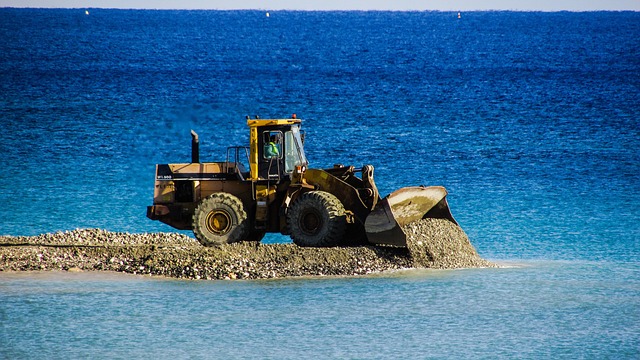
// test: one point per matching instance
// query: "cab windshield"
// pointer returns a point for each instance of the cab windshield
(294, 151)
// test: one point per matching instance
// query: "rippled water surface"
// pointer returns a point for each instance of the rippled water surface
(530, 120)
(529, 310)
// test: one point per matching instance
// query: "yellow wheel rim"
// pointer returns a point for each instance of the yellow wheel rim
(218, 222)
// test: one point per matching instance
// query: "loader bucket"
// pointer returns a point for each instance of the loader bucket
(384, 224)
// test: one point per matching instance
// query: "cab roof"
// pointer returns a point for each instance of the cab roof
(271, 122)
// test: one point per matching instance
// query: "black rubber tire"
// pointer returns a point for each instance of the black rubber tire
(220, 219)
(316, 219)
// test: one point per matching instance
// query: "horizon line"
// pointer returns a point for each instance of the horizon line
(321, 10)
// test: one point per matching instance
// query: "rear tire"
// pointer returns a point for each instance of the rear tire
(220, 219)
(316, 218)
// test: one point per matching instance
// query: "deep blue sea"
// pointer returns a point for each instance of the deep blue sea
(530, 120)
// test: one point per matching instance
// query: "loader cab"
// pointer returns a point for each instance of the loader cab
(276, 149)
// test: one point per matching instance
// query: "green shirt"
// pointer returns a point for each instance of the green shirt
(271, 150)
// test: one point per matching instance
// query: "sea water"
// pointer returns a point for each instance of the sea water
(530, 120)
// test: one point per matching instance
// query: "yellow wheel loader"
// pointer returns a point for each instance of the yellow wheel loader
(269, 187)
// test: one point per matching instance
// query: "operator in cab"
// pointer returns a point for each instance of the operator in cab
(271, 149)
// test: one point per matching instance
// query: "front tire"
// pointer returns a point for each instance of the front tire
(316, 218)
(220, 219)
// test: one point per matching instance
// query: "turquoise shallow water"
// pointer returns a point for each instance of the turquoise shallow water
(530, 120)
(532, 309)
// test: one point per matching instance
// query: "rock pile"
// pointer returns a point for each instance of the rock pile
(441, 244)
(179, 256)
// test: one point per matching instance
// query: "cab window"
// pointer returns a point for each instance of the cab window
(295, 152)
(272, 141)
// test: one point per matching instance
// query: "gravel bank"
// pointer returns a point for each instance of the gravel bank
(179, 256)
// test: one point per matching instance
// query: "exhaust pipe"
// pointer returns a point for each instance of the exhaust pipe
(195, 147)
